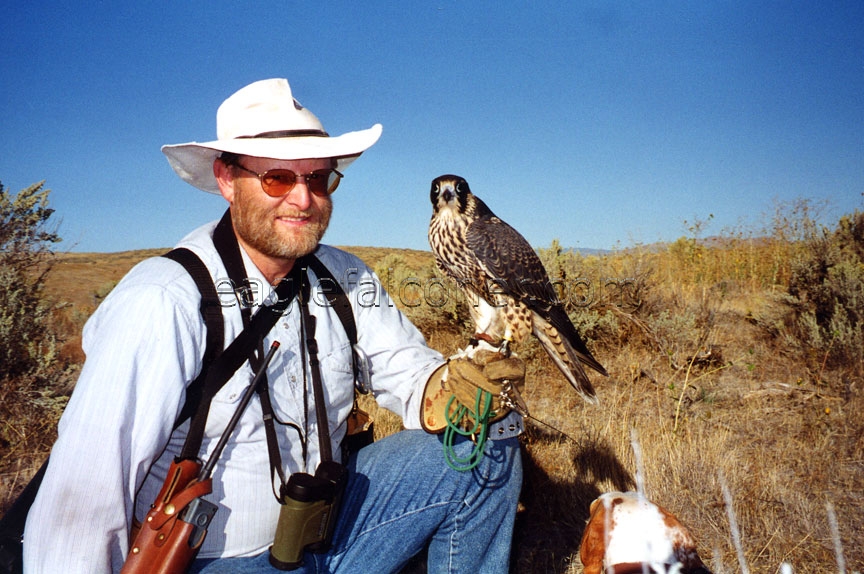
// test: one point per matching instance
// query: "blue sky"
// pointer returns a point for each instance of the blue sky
(599, 124)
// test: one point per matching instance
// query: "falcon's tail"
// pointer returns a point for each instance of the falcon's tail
(568, 352)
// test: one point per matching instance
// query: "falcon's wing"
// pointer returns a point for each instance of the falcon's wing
(510, 262)
(516, 269)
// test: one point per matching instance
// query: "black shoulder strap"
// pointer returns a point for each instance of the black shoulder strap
(213, 374)
(336, 297)
(237, 353)
(211, 311)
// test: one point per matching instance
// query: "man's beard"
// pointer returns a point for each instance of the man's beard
(255, 224)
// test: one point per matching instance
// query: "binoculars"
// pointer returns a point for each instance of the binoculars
(310, 506)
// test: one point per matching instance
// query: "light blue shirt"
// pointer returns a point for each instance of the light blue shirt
(144, 344)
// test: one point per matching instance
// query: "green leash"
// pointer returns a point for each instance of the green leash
(479, 433)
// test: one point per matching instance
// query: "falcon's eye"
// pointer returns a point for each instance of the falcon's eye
(435, 193)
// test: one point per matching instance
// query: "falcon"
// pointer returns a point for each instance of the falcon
(508, 290)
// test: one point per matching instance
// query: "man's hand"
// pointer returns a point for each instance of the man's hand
(469, 380)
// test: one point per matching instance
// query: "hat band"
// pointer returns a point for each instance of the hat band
(288, 134)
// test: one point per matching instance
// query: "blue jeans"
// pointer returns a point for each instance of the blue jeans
(402, 495)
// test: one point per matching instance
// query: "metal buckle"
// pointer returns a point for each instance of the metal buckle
(362, 371)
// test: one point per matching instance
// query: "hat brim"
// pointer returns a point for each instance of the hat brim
(193, 161)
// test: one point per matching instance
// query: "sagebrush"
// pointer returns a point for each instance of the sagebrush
(30, 370)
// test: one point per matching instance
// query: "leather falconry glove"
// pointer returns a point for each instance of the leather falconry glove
(464, 384)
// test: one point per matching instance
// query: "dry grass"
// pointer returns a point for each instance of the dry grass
(697, 376)
(783, 448)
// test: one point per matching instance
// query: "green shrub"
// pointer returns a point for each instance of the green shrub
(26, 344)
(826, 296)
(430, 300)
(30, 374)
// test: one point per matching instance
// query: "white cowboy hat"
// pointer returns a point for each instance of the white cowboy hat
(264, 120)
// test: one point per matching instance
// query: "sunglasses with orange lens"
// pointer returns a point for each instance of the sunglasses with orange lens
(278, 182)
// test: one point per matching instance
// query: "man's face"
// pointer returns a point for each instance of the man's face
(285, 227)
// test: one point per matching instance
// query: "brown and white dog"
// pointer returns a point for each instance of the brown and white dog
(627, 533)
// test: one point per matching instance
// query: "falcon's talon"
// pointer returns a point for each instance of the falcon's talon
(471, 351)
(460, 354)
(504, 348)
(444, 376)
(474, 346)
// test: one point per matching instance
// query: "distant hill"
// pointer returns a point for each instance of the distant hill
(589, 251)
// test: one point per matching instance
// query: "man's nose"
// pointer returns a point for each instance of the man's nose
(300, 196)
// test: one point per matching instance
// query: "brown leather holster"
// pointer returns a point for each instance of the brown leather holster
(166, 542)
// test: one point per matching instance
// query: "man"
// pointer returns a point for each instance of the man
(276, 167)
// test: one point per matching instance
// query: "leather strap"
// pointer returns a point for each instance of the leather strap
(211, 310)
(225, 241)
(338, 301)
(336, 297)
(247, 342)
(311, 346)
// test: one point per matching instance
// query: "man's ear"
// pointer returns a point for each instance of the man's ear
(225, 179)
